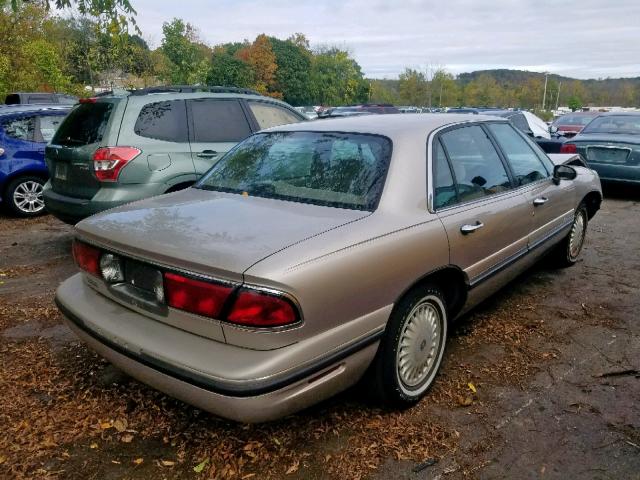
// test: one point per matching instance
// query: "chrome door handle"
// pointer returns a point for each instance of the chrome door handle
(540, 201)
(207, 154)
(466, 229)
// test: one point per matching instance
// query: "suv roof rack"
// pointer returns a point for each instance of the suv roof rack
(193, 89)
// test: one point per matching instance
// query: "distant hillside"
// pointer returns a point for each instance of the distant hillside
(519, 88)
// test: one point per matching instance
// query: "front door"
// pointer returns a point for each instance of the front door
(486, 220)
(551, 206)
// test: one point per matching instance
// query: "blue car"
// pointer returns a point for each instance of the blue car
(24, 132)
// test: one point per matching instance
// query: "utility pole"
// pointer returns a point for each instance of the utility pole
(558, 96)
(544, 96)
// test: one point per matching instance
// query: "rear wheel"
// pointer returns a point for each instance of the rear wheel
(24, 196)
(569, 250)
(412, 348)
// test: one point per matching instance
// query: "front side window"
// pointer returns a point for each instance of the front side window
(218, 121)
(478, 170)
(163, 121)
(342, 170)
(20, 128)
(268, 115)
(525, 164)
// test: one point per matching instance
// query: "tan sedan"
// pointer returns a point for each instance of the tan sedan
(313, 256)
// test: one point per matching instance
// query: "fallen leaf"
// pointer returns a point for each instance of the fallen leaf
(120, 424)
(2, 459)
(106, 425)
(472, 387)
(127, 438)
(293, 468)
(167, 463)
(116, 462)
(200, 467)
(464, 401)
(138, 461)
(248, 475)
(93, 445)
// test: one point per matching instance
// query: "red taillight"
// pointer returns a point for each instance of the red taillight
(88, 100)
(568, 148)
(87, 257)
(108, 161)
(195, 296)
(257, 309)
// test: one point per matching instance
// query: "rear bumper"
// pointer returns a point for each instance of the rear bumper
(72, 210)
(265, 398)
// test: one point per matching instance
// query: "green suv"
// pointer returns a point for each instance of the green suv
(115, 149)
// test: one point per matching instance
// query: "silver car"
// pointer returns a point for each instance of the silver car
(313, 256)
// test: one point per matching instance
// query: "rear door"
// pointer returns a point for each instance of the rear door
(69, 156)
(486, 219)
(217, 125)
(550, 206)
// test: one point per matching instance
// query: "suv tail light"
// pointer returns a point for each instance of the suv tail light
(255, 308)
(87, 257)
(568, 148)
(108, 161)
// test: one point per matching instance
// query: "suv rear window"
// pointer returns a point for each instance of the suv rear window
(163, 121)
(84, 125)
(344, 170)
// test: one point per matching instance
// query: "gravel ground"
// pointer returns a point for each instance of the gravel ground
(541, 381)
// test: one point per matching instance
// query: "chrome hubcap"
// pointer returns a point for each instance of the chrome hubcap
(28, 197)
(419, 344)
(576, 238)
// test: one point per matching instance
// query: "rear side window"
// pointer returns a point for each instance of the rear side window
(445, 190)
(218, 121)
(85, 124)
(268, 115)
(524, 162)
(163, 121)
(20, 128)
(478, 170)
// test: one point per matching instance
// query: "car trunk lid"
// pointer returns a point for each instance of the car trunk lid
(211, 233)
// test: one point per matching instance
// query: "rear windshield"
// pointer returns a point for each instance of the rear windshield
(574, 120)
(629, 124)
(84, 125)
(344, 170)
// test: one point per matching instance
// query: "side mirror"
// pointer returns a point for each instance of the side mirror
(553, 129)
(563, 172)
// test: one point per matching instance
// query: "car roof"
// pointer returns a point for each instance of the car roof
(618, 114)
(386, 125)
(26, 108)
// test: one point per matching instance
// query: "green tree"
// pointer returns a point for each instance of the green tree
(227, 70)
(292, 76)
(574, 103)
(336, 78)
(412, 86)
(187, 60)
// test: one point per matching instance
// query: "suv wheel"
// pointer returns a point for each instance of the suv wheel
(24, 196)
(412, 348)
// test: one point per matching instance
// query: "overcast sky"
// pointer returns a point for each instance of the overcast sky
(582, 39)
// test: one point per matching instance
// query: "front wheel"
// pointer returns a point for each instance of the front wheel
(24, 197)
(411, 351)
(569, 249)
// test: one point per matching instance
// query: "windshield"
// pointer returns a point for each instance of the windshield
(345, 170)
(624, 124)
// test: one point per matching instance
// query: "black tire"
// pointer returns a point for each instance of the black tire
(569, 249)
(23, 197)
(386, 382)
